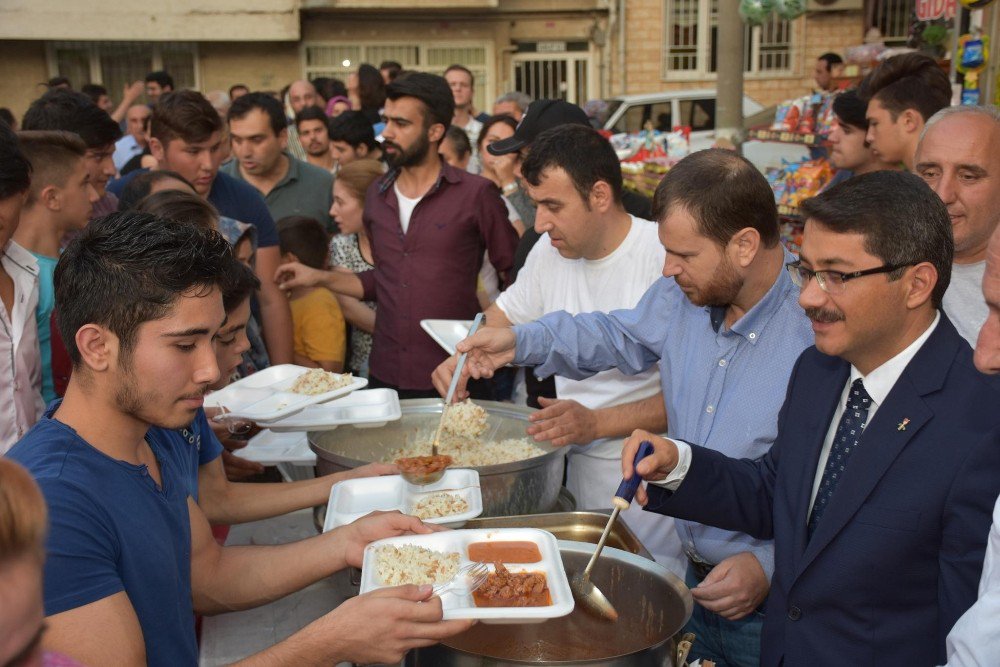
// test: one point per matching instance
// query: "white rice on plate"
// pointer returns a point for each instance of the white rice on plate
(408, 564)
(317, 381)
(438, 505)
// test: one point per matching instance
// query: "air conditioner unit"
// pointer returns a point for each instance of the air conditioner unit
(834, 5)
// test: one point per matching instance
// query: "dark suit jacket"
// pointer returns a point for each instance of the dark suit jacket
(897, 557)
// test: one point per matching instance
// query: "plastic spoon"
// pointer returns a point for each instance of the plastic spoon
(583, 588)
(423, 479)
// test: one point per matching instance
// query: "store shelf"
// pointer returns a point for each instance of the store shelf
(788, 137)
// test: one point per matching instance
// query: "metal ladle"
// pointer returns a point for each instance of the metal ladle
(423, 479)
(583, 588)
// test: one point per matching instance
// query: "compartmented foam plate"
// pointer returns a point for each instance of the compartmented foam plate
(265, 396)
(354, 498)
(367, 408)
(461, 605)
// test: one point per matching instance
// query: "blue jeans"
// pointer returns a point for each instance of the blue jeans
(728, 643)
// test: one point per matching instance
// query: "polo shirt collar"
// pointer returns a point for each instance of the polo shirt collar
(292, 174)
(753, 323)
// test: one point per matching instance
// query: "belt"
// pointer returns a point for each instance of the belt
(700, 568)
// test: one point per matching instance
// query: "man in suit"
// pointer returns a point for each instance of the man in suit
(879, 487)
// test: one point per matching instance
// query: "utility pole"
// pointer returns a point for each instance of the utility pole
(729, 95)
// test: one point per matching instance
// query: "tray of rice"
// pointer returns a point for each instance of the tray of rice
(281, 391)
(531, 591)
(451, 501)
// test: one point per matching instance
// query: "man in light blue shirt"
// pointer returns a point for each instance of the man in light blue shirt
(725, 327)
(134, 141)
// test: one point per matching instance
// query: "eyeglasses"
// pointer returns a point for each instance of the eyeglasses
(834, 282)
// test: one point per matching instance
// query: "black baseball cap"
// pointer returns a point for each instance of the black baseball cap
(542, 115)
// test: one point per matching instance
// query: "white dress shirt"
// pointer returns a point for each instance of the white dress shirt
(878, 384)
(20, 361)
(975, 639)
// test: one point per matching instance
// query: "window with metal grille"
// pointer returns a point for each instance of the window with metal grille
(117, 64)
(893, 18)
(690, 42)
(340, 59)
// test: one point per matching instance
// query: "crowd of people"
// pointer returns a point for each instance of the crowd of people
(826, 463)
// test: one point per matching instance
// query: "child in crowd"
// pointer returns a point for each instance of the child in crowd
(320, 333)
(59, 203)
(351, 250)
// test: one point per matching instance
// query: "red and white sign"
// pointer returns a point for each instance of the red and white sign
(929, 10)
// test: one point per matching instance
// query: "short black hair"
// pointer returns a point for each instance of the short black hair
(502, 119)
(246, 103)
(830, 59)
(352, 128)
(311, 113)
(61, 109)
(185, 115)
(129, 268)
(180, 206)
(241, 282)
(139, 187)
(237, 86)
(723, 192)
(581, 152)
(305, 238)
(850, 110)
(432, 90)
(93, 91)
(162, 78)
(7, 116)
(393, 67)
(459, 141)
(901, 219)
(15, 169)
(57, 81)
(908, 81)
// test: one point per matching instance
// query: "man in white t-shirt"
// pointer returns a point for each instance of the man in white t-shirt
(959, 157)
(592, 256)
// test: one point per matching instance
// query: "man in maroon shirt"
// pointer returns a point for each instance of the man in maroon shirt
(429, 225)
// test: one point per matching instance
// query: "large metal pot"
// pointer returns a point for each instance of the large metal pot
(653, 605)
(521, 487)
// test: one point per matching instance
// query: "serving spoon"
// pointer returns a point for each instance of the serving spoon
(423, 479)
(583, 588)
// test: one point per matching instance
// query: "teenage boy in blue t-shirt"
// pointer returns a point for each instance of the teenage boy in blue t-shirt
(131, 556)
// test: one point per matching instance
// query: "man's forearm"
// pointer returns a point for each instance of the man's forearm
(648, 414)
(342, 282)
(245, 577)
(305, 648)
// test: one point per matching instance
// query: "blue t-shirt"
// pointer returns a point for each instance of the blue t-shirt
(201, 445)
(112, 529)
(233, 198)
(43, 318)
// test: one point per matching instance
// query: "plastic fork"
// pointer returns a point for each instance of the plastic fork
(473, 575)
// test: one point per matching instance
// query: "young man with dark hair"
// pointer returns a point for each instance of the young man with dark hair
(850, 153)
(158, 84)
(823, 71)
(140, 304)
(879, 488)
(902, 93)
(724, 328)
(260, 140)
(20, 364)
(429, 225)
(314, 135)
(186, 137)
(238, 90)
(593, 256)
(456, 149)
(74, 112)
(352, 138)
(959, 158)
(389, 69)
(98, 95)
(58, 203)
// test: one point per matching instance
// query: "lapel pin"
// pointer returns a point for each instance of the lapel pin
(902, 424)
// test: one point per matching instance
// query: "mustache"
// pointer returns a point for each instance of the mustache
(824, 316)
(386, 144)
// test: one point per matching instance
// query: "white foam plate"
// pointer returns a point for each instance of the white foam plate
(367, 408)
(447, 333)
(460, 604)
(354, 498)
(269, 449)
(264, 396)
